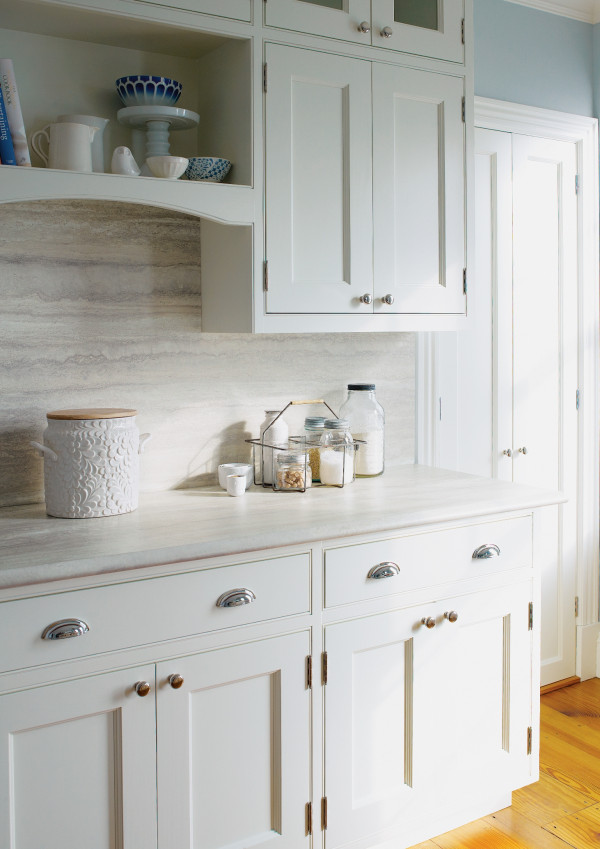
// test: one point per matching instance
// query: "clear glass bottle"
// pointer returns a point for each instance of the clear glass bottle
(273, 433)
(367, 423)
(313, 430)
(292, 471)
(337, 453)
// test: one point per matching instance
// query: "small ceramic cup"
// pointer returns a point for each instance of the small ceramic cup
(236, 484)
(226, 469)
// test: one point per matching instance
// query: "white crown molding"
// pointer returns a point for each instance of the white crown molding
(587, 11)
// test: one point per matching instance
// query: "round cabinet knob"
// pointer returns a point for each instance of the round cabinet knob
(428, 621)
(364, 26)
(523, 450)
(366, 298)
(175, 681)
(387, 299)
(451, 615)
(508, 452)
(142, 688)
(386, 32)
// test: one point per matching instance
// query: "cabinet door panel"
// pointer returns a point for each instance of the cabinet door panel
(418, 190)
(424, 27)
(331, 18)
(233, 747)
(318, 216)
(79, 764)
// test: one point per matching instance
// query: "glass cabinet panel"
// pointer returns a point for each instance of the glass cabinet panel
(417, 13)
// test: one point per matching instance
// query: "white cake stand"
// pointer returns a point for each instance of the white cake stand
(158, 121)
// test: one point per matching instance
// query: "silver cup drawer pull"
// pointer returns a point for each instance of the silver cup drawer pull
(236, 598)
(65, 629)
(484, 552)
(384, 570)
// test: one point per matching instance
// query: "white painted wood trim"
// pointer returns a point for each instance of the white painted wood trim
(580, 10)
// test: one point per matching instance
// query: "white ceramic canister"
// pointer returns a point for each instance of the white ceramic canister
(91, 462)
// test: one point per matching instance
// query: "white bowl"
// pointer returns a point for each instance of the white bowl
(235, 469)
(170, 167)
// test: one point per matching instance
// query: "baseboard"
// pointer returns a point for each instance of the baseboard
(559, 685)
(588, 655)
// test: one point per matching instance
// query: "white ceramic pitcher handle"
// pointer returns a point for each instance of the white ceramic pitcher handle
(36, 143)
(144, 438)
(44, 451)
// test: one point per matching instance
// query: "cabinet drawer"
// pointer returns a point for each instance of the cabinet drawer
(424, 559)
(152, 610)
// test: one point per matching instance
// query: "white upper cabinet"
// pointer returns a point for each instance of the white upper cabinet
(318, 149)
(418, 191)
(424, 27)
(352, 230)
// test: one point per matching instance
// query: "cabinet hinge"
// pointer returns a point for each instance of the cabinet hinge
(464, 108)
(265, 77)
(577, 399)
(576, 184)
(462, 30)
(324, 667)
(309, 672)
(464, 281)
(324, 813)
(531, 616)
(529, 740)
(266, 275)
(308, 818)
(576, 605)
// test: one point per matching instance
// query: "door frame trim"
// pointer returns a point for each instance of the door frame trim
(583, 131)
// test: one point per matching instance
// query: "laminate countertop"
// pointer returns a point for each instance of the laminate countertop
(169, 527)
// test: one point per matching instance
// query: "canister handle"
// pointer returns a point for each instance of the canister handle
(144, 438)
(44, 451)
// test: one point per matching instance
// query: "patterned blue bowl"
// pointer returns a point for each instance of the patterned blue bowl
(208, 168)
(145, 90)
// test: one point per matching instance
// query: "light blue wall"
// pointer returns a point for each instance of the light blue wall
(596, 43)
(536, 58)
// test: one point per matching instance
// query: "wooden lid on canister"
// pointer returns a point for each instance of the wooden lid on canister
(91, 413)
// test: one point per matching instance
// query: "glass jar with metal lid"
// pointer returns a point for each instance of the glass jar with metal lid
(367, 425)
(336, 453)
(292, 471)
(313, 430)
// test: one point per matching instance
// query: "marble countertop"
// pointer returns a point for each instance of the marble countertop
(174, 526)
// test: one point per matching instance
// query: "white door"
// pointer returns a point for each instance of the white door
(318, 182)
(425, 27)
(413, 712)
(544, 372)
(234, 747)
(78, 764)
(515, 367)
(418, 191)
(330, 18)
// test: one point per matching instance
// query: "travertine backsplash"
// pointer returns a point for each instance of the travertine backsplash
(101, 307)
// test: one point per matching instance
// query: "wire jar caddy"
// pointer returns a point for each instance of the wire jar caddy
(322, 456)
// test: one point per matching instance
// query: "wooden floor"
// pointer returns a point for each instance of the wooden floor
(563, 809)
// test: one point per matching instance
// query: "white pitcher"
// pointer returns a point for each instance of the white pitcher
(69, 146)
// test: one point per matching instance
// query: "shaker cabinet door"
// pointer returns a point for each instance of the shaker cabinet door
(330, 18)
(418, 191)
(234, 747)
(78, 764)
(425, 27)
(318, 182)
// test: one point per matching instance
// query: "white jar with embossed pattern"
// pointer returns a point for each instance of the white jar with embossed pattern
(91, 462)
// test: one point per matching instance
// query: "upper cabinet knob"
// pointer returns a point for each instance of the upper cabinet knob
(175, 681)
(451, 615)
(428, 621)
(366, 298)
(508, 452)
(364, 26)
(142, 688)
(387, 299)
(386, 32)
(523, 450)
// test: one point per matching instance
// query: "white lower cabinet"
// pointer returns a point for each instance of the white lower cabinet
(425, 708)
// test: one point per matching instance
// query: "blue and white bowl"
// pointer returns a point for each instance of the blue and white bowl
(209, 168)
(145, 90)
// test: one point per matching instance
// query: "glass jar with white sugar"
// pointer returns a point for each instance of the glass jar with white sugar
(367, 424)
(336, 453)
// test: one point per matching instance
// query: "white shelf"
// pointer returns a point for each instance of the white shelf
(221, 202)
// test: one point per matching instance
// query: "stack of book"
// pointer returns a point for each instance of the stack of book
(13, 141)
